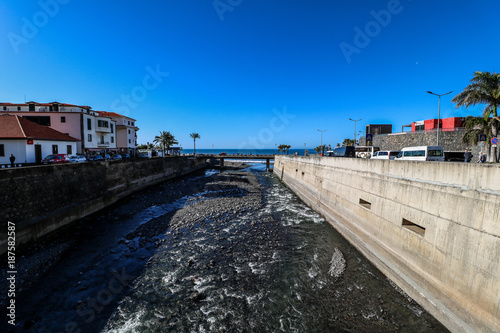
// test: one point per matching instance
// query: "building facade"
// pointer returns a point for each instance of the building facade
(96, 130)
(30, 142)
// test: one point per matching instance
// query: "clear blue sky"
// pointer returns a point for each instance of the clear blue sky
(245, 73)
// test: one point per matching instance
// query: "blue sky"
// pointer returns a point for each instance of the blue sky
(249, 74)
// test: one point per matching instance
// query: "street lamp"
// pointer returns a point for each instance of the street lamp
(304, 149)
(355, 121)
(439, 112)
(322, 140)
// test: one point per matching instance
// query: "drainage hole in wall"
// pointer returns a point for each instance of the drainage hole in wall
(413, 227)
(365, 203)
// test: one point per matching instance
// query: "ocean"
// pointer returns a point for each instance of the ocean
(247, 151)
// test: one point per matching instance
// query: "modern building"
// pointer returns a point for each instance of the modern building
(96, 130)
(377, 129)
(446, 124)
(30, 142)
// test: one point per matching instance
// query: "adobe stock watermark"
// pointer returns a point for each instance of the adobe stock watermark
(222, 6)
(30, 28)
(372, 29)
(139, 93)
(265, 136)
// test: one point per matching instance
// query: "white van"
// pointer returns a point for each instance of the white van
(421, 153)
(385, 155)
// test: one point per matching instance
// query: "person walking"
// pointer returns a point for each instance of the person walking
(12, 160)
(467, 156)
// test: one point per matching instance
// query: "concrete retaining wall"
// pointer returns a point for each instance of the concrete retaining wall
(433, 228)
(41, 199)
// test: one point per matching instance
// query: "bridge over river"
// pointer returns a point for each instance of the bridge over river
(268, 158)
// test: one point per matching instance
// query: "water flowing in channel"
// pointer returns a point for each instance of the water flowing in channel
(280, 268)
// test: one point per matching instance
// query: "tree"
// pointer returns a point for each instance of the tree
(282, 148)
(474, 127)
(320, 149)
(348, 142)
(484, 88)
(165, 140)
(194, 136)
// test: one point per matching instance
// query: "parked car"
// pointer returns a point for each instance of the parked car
(421, 153)
(107, 157)
(125, 156)
(77, 159)
(96, 158)
(385, 154)
(56, 159)
(116, 157)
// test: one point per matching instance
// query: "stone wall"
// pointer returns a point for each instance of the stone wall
(41, 199)
(431, 227)
(450, 140)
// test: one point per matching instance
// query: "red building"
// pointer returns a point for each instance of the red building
(446, 124)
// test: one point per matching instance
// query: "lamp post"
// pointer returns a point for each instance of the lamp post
(304, 149)
(212, 149)
(355, 121)
(439, 112)
(322, 140)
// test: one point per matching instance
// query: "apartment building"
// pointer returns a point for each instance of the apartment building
(96, 130)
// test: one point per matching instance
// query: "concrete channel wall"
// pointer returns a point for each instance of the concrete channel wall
(431, 227)
(41, 199)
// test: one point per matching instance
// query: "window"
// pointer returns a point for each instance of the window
(5, 108)
(54, 149)
(132, 123)
(129, 122)
(101, 140)
(89, 124)
(2, 150)
(40, 120)
(89, 138)
(112, 130)
(32, 107)
(63, 119)
(435, 153)
(129, 141)
(413, 227)
(18, 108)
(69, 149)
(55, 107)
(112, 139)
(102, 123)
(128, 131)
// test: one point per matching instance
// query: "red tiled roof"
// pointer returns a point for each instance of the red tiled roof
(43, 104)
(112, 114)
(15, 127)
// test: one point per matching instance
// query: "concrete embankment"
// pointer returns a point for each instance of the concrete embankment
(42, 199)
(432, 228)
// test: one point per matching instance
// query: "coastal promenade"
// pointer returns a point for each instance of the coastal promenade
(432, 228)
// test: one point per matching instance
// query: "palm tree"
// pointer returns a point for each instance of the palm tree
(474, 127)
(194, 136)
(484, 89)
(165, 140)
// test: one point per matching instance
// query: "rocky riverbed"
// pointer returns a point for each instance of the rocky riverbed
(217, 252)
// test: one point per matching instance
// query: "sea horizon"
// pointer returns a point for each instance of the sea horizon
(241, 151)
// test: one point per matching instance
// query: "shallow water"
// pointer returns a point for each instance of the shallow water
(280, 269)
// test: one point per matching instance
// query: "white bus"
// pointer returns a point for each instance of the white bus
(365, 151)
(421, 153)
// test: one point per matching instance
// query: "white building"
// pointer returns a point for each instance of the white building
(30, 142)
(126, 131)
